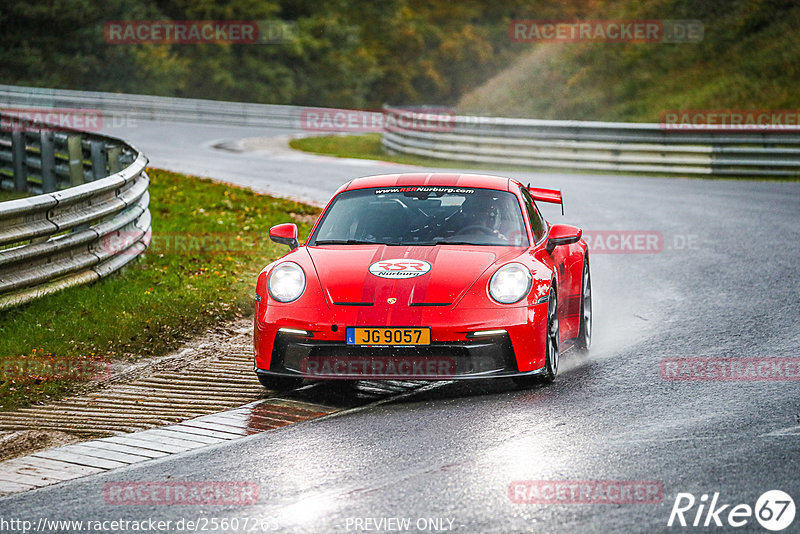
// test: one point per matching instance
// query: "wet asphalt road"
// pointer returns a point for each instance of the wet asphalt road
(725, 284)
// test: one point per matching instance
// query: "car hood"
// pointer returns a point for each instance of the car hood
(413, 275)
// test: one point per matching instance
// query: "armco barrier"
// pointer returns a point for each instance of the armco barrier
(94, 188)
(157, 108)
(602, 146)
(566, 145)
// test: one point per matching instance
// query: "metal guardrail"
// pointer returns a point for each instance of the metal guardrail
(600, 146)
(157, 108)
(90, 219)
(567, 145)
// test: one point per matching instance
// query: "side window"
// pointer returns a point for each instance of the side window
(537, 221)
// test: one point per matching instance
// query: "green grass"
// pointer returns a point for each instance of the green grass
(367, 146)
(172, 294)
(11, 195)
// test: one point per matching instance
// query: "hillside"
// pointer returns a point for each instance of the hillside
(347, 53)
(749, 58)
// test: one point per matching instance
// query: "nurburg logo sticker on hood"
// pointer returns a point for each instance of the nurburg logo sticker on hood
(399, 268)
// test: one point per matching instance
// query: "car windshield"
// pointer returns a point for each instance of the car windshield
(423, 216)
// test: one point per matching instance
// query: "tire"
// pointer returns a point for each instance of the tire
(279, 383)
(584, 340)
(551, 348)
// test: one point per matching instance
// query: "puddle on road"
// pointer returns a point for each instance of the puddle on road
(316, 400)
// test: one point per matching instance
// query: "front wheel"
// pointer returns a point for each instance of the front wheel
(279, 383)
(584, 340)
(551, 348)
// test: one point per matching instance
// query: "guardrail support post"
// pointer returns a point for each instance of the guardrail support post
(114, 153)
(75, 153)
(48, 162)
(98, 156)
(18, 159)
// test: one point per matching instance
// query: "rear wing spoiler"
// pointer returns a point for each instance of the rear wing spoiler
(552, 196)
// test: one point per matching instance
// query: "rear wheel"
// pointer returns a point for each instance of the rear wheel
(279, 383)
(584, 340)
(551, 348)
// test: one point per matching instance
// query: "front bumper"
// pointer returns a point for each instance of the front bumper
(316, 349)
(297, 356)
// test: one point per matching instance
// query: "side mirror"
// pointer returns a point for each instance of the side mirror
(562, 234)
(285, 234)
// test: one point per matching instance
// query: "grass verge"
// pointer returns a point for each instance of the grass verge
(11, 195)
(209, 242)
(367, 146)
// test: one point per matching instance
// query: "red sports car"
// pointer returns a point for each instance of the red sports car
(424, 276)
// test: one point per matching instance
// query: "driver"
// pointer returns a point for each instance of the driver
(477, 215)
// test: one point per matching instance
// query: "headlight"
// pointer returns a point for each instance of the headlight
(510, 283)
(286, 282)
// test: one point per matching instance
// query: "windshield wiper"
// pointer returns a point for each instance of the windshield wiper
(446, 242)
(344, 242)
(353, 242)
(396, 243)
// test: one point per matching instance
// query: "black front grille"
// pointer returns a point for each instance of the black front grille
(439, 360)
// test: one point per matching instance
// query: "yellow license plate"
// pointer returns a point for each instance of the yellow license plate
(389, 336)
